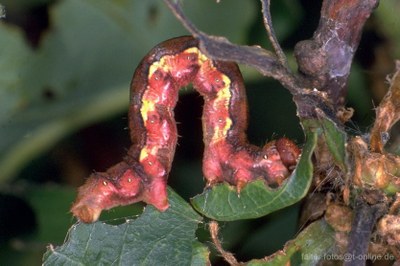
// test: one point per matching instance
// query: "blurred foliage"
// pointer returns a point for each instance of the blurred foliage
(65, 71)
(390, 24)
(80, 71)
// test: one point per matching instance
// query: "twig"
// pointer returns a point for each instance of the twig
(268, 64)
(214, 229)
(271, 33)
(178, 12)
(219, 48)
(361, 229)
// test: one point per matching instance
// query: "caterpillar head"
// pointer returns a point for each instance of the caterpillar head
(280, 158)
(101, 192)
(288, 151)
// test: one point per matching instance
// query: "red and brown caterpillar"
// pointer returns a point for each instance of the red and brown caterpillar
(142, 175)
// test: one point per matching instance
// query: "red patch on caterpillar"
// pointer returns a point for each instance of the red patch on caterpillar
(228, 157)
(288, 151)
(102, 192)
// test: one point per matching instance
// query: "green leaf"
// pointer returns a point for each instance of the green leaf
(85, 61)
(51, 205)
(200, 255)
(335, 139)
(308, 248)
(52, 209)
(223, 203)
(154, 238)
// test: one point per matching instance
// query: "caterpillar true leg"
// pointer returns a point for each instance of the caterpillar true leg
(142, 175)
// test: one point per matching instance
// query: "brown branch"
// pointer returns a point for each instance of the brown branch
(364, 221)
(220, 48)
(178, 12)
(229, 257)
(325, 60)
(271, 33)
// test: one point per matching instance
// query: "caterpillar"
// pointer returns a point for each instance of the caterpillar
(228, 156)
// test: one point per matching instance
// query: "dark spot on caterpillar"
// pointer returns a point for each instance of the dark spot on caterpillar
(228, 157)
